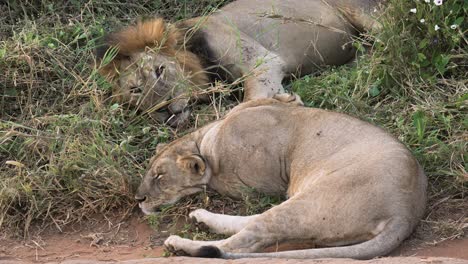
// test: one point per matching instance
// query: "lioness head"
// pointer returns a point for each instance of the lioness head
(176, 171)
(152, 68)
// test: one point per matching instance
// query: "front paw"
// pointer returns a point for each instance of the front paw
(174, 245)
(198, 215)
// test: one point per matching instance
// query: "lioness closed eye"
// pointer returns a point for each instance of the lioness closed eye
(354, 190)
(163, 66)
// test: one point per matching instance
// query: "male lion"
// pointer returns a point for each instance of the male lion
(258, 41)
(353, 189)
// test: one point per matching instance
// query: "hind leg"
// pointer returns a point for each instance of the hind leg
(220, 223)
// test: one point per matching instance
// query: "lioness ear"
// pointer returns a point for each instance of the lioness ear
(160, 147)
(194, 163)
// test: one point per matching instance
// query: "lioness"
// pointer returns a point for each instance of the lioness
(258, 41)
(352, 188)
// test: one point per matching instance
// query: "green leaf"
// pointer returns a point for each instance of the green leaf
(421, 57)
(423, 43)
(114, 107)
(458, 21)
(419, 122)
(110, 54)
(374, 91)
(441, 62)
(463, 99)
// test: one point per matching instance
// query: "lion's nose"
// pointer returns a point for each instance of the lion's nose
(139, 198)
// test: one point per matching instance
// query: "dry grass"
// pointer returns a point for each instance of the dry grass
(67, 153)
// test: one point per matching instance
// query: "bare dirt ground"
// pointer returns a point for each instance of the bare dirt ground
(133, 238)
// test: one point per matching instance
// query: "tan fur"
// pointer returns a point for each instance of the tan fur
(167, 40)
(136, 38)
(352, 188)
(191, 65)
(153, 33)
(247, 40)
(154, 38)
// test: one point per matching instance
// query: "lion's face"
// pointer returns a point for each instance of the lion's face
(148, 78)
(152, 70)
(175, 172)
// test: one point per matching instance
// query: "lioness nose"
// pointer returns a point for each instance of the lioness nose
(139, 198)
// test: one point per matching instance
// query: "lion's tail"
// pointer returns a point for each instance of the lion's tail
(391, 236)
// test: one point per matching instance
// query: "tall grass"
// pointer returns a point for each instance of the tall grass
(65, 151)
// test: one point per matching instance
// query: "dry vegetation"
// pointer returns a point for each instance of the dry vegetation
(67, 153)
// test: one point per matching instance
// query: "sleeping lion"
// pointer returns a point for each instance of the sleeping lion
(353, 190)
(160, 67)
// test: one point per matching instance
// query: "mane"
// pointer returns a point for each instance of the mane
(154, 34)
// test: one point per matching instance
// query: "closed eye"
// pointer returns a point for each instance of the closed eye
(159, 71)
(158, 176)
(136, 89)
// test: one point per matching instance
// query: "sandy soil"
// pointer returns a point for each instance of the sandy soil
(107, 240)
(102, 240)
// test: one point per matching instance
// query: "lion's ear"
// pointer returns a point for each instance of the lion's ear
(194, 163)
(160, 147)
